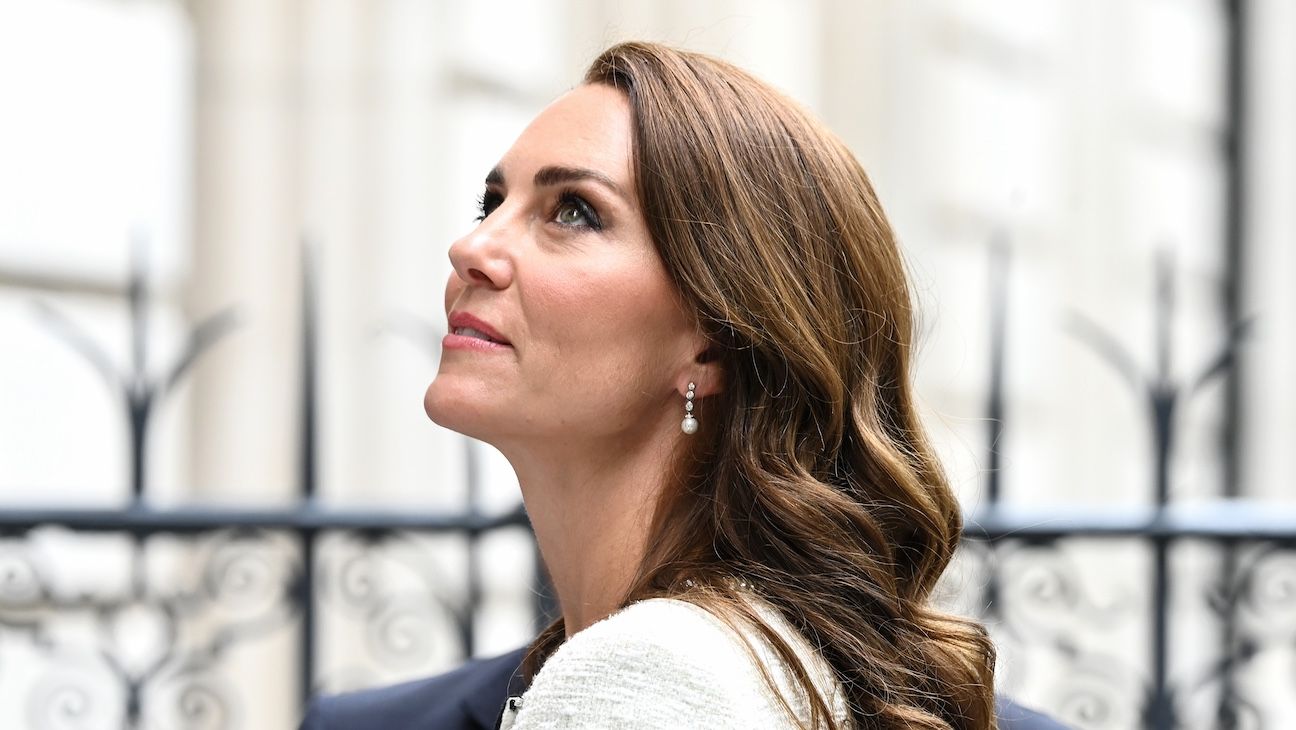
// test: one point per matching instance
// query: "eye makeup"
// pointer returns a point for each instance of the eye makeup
(571, 201)
(568, 202)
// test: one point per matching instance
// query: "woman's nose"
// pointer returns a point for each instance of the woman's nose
(480, 257)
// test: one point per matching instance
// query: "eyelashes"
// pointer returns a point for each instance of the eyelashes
(570, 210)
(487, 202)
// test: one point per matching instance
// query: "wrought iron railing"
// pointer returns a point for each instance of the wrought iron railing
(235, 543)
(260, 570)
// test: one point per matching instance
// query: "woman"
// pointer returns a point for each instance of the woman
(684, 320)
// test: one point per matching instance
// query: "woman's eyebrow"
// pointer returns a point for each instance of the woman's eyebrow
(557, 174)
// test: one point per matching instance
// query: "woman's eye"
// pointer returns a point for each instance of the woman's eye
(574, 211)
(570, 215)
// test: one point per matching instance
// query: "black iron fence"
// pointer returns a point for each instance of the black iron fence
(258, 572)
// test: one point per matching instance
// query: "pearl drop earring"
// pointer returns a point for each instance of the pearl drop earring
(689, 425)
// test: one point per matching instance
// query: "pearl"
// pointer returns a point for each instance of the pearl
(689, 426)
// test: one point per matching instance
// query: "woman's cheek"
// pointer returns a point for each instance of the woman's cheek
(454, 285)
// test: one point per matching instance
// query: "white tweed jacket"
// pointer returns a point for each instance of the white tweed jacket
(665, 663)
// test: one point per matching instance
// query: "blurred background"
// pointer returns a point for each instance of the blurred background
(223, 235)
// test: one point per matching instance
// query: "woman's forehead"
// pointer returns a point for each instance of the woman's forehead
(588, 127)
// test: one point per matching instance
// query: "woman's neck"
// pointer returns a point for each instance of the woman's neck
(592, 509)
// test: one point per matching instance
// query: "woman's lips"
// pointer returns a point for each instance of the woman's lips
(463, 324)
(455, 341)
(468, 332)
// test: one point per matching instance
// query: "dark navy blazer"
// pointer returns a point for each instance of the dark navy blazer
(470, 698)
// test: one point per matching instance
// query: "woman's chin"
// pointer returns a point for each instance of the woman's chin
(450, 408)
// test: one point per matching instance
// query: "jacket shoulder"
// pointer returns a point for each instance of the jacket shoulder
(457, 699)
(1013, 716)
(659, 663)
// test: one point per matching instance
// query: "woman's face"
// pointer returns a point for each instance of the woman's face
(587, 338)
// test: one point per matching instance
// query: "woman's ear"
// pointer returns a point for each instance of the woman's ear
(705, 372)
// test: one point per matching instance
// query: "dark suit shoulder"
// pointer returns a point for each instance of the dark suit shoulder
(1013, 716)
(457, 700)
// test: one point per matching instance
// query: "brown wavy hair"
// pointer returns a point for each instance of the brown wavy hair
(811, 476)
